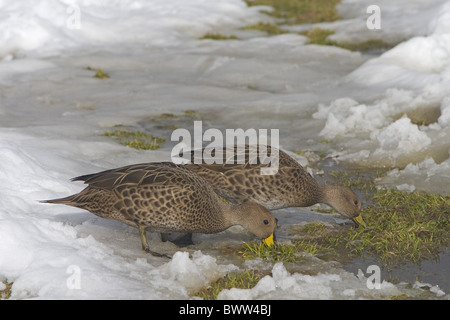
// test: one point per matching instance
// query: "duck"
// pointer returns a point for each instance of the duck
(165, 197)
(290, 185)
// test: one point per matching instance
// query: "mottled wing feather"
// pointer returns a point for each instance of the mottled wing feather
(162, 196)
(248, 158)
(139, 174)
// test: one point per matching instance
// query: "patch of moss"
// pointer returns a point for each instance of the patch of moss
(310, 11)
(320, 36)
(218, 36)
(99, 74)
(6, 293)
(402, 296)
(169, 121)
(269, 28)
(364, 46)
(242, 280)
(293, 252)
(276, 252)
(190, 112)
(136, 139)
(300, 11)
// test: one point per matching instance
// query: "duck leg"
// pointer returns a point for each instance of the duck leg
(145, 246)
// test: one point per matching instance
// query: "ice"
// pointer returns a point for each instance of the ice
(434, 289)
(400, 137)
(414, 63)
(94, 23)
(406, 187)
(427, 175)
(53, 111)
(390, 140)
(198, 272)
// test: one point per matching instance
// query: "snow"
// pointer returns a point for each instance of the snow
(53, 112)
(32, 25)
(415, 78)
(284, 285)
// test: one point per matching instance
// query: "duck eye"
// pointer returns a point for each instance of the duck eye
(356, 202)
(266, 221)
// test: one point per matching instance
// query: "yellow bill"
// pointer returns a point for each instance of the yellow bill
(268, 241)
(359, 221)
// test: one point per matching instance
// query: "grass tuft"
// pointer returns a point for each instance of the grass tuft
(99, 74)
(402, 227)
(276, 252)
(293, 252)
(269, 28)
(136, 139)
(6, 293)
(320, 36)
(218, 36)
(243, 280)
(365, 46)
(300, 11)
(310, 12)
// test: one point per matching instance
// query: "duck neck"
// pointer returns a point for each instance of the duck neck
(328, 193)
(236, 215)
(312, 193)
(232, 214)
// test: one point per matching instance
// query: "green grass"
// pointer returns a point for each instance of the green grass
(320, 36)
(300, 11)
(310, 12)
(402, 227)
(242, 280)
(218, 36)
(169, 121)
(269, 28)
(276, 252)
(364, 46)
(315, 228)
(136, 139)
(99, 74)
(190, 112)
(293, 252)
(6, 293)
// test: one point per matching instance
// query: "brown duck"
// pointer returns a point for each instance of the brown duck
(164, 197)
(291, 186)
